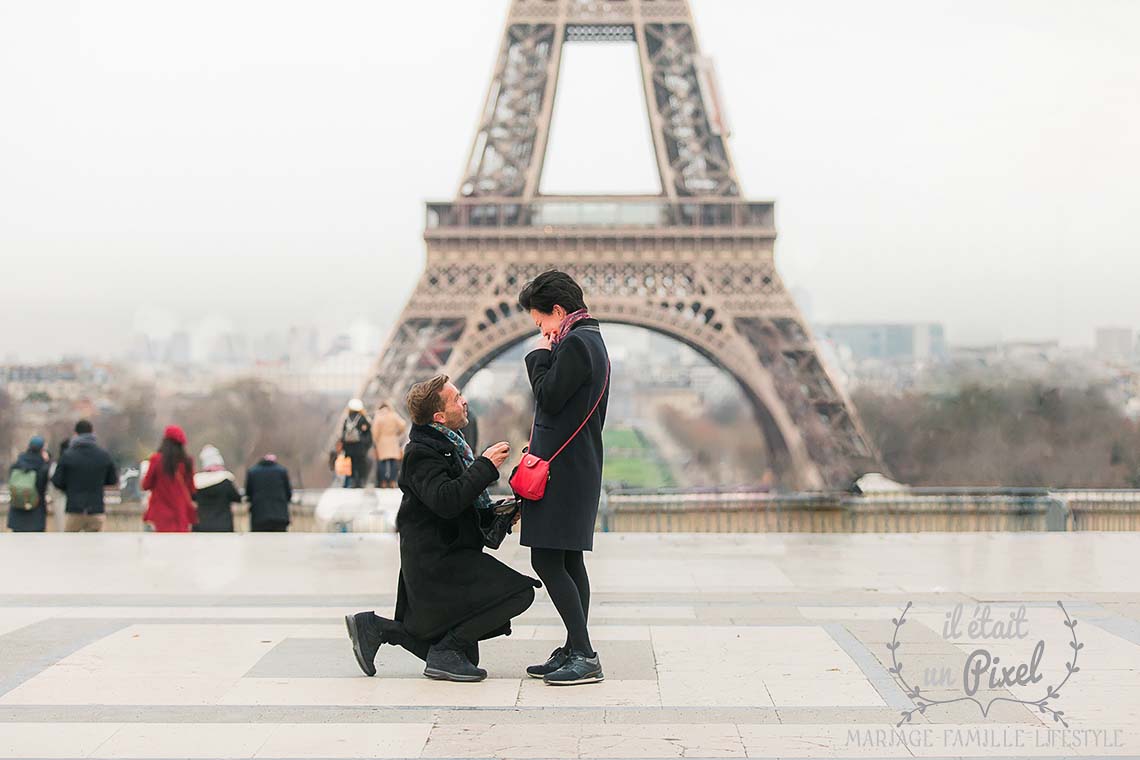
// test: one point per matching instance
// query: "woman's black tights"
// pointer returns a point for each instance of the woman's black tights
(564, 575)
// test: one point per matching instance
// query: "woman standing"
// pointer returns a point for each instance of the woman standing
(215, 493)
(387, 429)
(170, 480)
(569, 374)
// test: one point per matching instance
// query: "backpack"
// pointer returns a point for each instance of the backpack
(351, 429)
(22, 488)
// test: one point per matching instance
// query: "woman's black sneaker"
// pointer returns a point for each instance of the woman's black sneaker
(557, 659)
(578, 669)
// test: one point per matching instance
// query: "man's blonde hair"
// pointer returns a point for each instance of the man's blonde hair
(425, 399)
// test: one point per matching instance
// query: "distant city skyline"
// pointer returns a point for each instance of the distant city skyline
(222, 342)
(267, 163)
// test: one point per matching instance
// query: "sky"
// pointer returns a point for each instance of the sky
(262, 164)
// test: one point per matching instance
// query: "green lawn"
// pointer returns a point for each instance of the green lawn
(622, 438)
(631, 461)
(636, 473)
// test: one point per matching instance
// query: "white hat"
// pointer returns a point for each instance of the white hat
(210, 457)
(356, 405)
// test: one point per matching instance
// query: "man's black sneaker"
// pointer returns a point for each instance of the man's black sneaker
(578, 669)
(447, 661)
(366, 638)
(557, 659)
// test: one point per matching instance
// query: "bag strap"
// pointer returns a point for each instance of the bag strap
(579, 430)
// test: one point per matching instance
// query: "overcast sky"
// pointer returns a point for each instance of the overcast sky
(974, 162)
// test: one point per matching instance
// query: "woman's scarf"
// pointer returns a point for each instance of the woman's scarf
(568, 321)
(467, 456)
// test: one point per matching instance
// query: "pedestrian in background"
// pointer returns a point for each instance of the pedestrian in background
(216, 492)
(356, 442)
(27, 489)
(170, 480)
(84, 471)
(387, 433)
(268, 490)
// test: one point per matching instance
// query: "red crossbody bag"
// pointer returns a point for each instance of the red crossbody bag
(529, 480)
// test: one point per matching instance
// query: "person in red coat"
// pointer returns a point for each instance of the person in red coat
(170, 480)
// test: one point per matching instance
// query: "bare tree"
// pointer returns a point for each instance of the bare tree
(129, 430)
(727, 445)
(9, 420)
(249, 418)
(1020, 434)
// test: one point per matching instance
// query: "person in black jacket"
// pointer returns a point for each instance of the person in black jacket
(83, 472)
(451, 594)
(268, 491)
(215, 492)
(32, 520)
(569, 374)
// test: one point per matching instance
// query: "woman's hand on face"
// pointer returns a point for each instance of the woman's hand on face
(543, 342)
(498, 453)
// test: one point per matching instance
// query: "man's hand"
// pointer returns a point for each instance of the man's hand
(518, 516)
(498, 453)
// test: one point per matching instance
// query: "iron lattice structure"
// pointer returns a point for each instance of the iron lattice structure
(695, 263)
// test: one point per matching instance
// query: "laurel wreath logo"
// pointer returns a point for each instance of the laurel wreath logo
(922, 702)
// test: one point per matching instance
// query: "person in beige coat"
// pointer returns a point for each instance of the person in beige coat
(387, 434)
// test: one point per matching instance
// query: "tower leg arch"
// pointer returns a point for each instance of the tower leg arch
(785, 449)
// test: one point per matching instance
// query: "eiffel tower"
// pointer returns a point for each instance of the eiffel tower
(694, 262)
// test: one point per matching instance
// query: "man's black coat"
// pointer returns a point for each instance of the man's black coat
(445, 576)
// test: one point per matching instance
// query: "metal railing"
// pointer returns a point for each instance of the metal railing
(126, 516)
(912, 510)
(756, 511)
(599, 212)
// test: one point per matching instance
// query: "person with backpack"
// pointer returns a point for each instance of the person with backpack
(84, 471)
(27, 487)
(170, 481)
(356, 442)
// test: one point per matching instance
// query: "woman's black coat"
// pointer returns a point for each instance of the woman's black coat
(445, 576)
(215, 495)
(31, 520)
(567, 382)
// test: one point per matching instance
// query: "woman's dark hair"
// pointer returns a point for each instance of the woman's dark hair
(550, 289)
(173, 456)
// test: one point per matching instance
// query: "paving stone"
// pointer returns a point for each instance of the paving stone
(713, 646)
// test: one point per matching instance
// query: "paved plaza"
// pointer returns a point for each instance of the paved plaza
(224, 646)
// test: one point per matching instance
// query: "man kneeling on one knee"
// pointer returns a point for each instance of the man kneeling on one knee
(451, 595)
